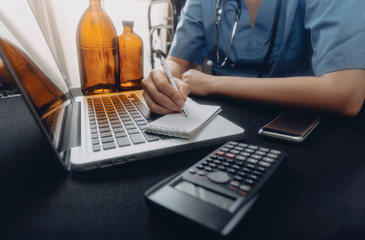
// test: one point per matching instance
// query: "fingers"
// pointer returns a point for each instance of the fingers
(164, 86)
(184, 88)
(161, 97)
(153, 106)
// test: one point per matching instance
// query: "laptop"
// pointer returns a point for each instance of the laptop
(97, 131)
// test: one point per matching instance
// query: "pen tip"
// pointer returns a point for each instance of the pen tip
(185, 112)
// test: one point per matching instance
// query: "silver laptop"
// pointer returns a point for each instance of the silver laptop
(90, 132)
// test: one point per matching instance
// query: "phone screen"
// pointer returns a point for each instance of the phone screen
(291, 124)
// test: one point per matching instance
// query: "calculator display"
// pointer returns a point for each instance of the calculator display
(205, 195)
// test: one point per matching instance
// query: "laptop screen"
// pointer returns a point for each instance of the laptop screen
(28, 63)
(30, 57)
(43, 93)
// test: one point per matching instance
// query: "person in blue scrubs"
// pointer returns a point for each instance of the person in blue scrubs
(316, 62)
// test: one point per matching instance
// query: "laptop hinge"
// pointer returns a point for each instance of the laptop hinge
(72, 128)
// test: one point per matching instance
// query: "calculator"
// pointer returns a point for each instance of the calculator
(218, 191)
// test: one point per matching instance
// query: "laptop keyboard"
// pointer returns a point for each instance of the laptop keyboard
(118, 121)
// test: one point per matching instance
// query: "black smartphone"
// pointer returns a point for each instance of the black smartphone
(291, 126)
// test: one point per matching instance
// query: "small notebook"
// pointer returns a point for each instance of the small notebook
(178, 125)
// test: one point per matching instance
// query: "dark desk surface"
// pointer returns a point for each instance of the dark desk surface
(320, 195)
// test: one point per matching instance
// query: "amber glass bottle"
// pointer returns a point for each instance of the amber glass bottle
(131, 58)
(4, 76)
(43, 93)
(97, 43)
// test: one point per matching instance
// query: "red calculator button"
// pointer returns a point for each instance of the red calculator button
(230, 155)
(220, 153)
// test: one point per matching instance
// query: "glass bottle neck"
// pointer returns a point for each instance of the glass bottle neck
(128, 29)
(95, 2)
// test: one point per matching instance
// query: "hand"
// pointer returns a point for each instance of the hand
(200, 83)
(160, 96)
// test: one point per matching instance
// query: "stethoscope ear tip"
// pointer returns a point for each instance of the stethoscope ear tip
(209, 63)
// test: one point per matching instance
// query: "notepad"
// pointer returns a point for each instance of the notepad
(178, 125)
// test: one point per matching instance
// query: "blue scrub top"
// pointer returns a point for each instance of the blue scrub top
(314, 37)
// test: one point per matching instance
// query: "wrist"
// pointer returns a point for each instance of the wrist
(213, 88)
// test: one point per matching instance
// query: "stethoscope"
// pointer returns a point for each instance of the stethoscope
(219, 11)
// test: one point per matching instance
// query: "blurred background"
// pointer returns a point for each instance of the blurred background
(56, 21)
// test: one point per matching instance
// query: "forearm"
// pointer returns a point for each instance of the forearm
(177, 66)
(341, 92)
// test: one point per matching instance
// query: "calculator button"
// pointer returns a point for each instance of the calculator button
(221, 158)
(245, 188)
(275, 152)
(232, 171)
(249, 181)
(242, 174)
(219, 177)
(204, 163)
(220, 153)
(272, 155)
(222, 168)
(217, 162)
(264, 149)
(254, 177)
(192, 171)
(233, 143)
(231, 155)
(256, 156)
(245, 154)
(230, 160)
(260, 153)
(257, 173)
(201, 173)
(239, 163)
(251, 160)
(253, 147)
(226, 164)
(234, 151)
(268, 159)
(242, 158)
(236, 167)
(213, 156)
(234, 184)
(208, 169)
(238, 148)
(264, 164)
(249, 150)
(250, 166)
(243, 145)
(224, 149)
(199, 167)
(229, 146)
(213, 165)
(238, 178)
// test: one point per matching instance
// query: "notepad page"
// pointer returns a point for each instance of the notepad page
(178, 125)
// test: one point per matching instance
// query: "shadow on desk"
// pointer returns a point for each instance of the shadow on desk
(25, 169)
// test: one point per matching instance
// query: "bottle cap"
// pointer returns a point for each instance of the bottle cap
(129, 23)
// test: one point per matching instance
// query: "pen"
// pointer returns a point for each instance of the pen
(171, 79)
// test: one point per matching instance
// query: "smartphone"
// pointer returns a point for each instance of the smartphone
(291, 126)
